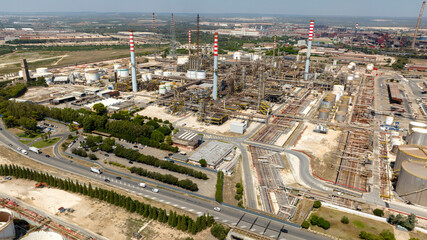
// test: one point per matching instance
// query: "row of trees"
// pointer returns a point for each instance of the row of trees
(239, 194)
(134, 155)
(407, 222)
(166, 178)
(319, 221)
(219, 186)
(180, 222)
(384, 235)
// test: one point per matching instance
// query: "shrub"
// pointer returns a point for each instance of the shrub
(323, 224)
(305, 224)
(378, 212)
(317, 204)
(219, 231)
(93, 157)
(203, 162)
(239, 191)
(314, 219)
(237, 196)
(238, 185)
(345, 220)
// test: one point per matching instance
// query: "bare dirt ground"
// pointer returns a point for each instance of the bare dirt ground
(303, 209)
(43, 93)
(97, 216)
(230, 184)
(286, 173)
(158, 112)
(322, 148)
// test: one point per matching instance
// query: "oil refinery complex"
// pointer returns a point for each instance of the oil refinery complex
(326, 123)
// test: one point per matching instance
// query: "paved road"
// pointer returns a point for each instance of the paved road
(185, 200)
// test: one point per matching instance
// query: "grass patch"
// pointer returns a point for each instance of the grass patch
(31, 135)
(352, 230)
(25, 141)
(45, 143)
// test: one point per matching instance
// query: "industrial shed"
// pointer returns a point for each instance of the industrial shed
(187, 140)
(213, 152)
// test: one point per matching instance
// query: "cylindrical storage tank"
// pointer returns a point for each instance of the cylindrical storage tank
(345, 100)
(191, 74)
(340, 116)
(168, 86)
(7, 228)
(338, 88)
(20, 74)
(158, 72)
(410, 152)
(149, 76)
(77, 75)
(42, 70)
(396, 142)
(144, 77)
(167, 74)
(412, 182)
(117, 66)
(200, 74)
(91, 75)
(418, 137)
(162, 89)
(350, 78)
(182, 60)
(343, 108)
(416, 125)
(370, 67)
(43, 235)
(123, 72)
(323, 114)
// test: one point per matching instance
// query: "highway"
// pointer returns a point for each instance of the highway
(188, 201)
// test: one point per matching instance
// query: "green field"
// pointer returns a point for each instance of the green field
(45, 143)
(31, 136)
(353, 229)
(25, 141)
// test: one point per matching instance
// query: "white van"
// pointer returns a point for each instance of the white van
(155, 190)
(143, 185)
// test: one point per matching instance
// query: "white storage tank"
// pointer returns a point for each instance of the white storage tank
(123, 72)
(43, 235)
(200, 74)
(418, 137)
(149, 76)
(182, 60)
(350, 78)
(144, 77)
(7, 228)
(91, 75)
(370, 67)
(42, 70)
(158, 72)
(191, 74)
(416, 125)
(117, 66)
(162, 89)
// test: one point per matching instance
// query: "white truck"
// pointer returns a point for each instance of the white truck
(143, 185)
(34, 149)
(96, 170)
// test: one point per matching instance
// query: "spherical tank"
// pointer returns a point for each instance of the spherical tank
(7, 228)
(340, 116)
(416, 125)
(418, 136)
(43, 235)
(323, 114)
(410, 152)
(412, 182)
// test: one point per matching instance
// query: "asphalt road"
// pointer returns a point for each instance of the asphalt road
(185, 200)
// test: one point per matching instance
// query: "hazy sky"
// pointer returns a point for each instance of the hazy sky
(372, 8)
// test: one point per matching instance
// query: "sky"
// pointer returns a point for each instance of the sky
(370, 8)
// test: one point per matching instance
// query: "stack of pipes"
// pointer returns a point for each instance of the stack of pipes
(132, 59)
(310, 39)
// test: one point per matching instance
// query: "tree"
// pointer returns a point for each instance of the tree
(99, 108)
(203, 162)
(305, 224)
(168, 140)
(317, 204)
(378, 212)
(219, 231)
(345, 220)
(93, 157)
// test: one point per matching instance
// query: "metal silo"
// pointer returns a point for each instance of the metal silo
(416, 125)
(340, 116)
(418, 136)
(323, 114)
(7, 228)
(410, 152)
(412, 182)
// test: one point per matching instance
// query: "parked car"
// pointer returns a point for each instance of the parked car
(119, 178)
(217, 209)
(130, 162)
(8, 178)
(106, 155)
(107, 180)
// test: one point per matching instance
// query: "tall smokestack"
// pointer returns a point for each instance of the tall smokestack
(418, 25)
(274, 46)
(355, 31)
(172, 52)
(132, 60)
(310, 39)
(154, 34)
(215, 80)
(24, 68)
(198, 35)
(189, 42)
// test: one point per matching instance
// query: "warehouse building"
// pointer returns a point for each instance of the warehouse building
(213, 152)
(187, 140)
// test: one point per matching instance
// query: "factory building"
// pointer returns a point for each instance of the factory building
(7, 228)
(61, 100)
(412, 182)
(187, 140)
(410, 153)
(213, 152)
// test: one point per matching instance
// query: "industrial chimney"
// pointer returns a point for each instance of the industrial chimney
(355, 31)
(189, 43)
(310, 39)
(132, 60)
(215, 80)
(24, 68)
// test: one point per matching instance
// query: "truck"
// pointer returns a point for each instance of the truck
(34, 149)
(40, 185)
(143, 185)
(96, 170)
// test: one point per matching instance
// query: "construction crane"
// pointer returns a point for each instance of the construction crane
(418, 25)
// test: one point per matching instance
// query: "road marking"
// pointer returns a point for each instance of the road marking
(168, 202)
(225, 220)
(153, 198)
(161, 200)
(199, 213)
(216, 218)
(191, 210)
(244, 226)
(175, 205)
(234, 224)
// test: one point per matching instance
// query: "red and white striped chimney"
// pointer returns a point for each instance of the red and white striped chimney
(216, 45)
(189, 42)
(215, 80)
(355, 31)
(310, 33)
(131, 43)
(132, 60)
